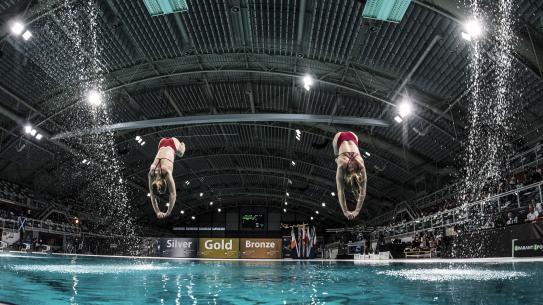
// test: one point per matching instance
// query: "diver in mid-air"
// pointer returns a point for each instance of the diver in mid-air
(161, 173)
(351, 171)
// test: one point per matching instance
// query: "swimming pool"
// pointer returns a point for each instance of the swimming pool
(34, 279)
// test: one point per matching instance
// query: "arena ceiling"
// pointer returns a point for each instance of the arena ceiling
(237, 58)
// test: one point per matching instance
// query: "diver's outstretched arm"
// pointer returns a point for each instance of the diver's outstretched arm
(173, 194)
(341, 192)
(361, 193)
(152, 195)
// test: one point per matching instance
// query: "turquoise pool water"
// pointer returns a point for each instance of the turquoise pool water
(83, 280)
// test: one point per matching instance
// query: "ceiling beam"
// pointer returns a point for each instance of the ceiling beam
(383, 144)
(234, 202)
(172, 102)
(22, 122)
(308, 179)
(414, 69)
(328, 135)
(409, 75)
(221, 71)
(302, 160)
(17, 138)
(301, 21)
(277, 198)
(319, 68)
(221, 192)
(225, 118)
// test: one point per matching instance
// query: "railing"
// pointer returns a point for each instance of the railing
(436, 197)
(42, 226)
(529, 158)
(52, 207)
(103, 235)
(480, 213)
(518, 163)
(28, 203)
(401, 207)
(422, 202)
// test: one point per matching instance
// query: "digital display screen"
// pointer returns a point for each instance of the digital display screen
(252, 221)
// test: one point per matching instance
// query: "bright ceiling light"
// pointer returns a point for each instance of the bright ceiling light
(308, 82)
(39, 136)
(316, 212)
(286, 203)
(466, 36)
(193, 217)
(142, 143)
(367, 154)
(287, 194)
(187, 182)
(333, 194)
(27, 35)
(323, 204)
(311, 217)
(94, 98)
(138, 138)
(219, 210)
(201, 194)
(211, 203)
(398, 119)
(405, 108)
(17, 28)
(28, 129)
(292, 163)
(84, 161)
(148, 194)
(167, 204)
(120, 180)
(33, 132)
(182, 212)
(284, 210)
(473, 28)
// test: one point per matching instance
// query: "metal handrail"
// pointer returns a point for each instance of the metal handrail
(535, 148)
(36, 225)
(417, 202)
(458, 210)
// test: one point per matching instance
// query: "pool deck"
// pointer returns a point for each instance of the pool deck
(495, 260)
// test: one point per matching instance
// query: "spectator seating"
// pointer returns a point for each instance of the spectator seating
(420, 253)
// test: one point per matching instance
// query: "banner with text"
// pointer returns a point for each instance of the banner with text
(528, 248)
(178, 247)
(260, 248)
(218, 248)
